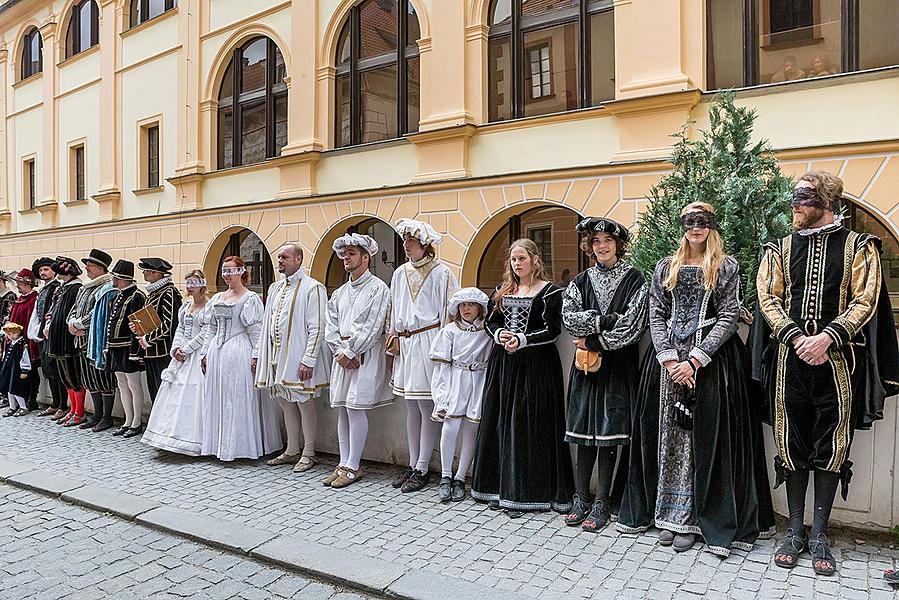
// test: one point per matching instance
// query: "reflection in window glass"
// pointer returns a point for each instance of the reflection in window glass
(725, 60)
(499, 60)
(540, 8)
(502, 12)
(342, 118)
(878, 35)
(602, 57)
(379, 27)
(253, 76)
(379, 103)
(551, 74)
(252, 134)
(280, 124)
(863, 221)
(413, 82)
(84, 27)
(226, 138)
(799, 39)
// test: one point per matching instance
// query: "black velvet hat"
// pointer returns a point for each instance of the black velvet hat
(44, 261)
(123, 269)
(63, 265)
(155, 264)
(604, 225)
(98, 257)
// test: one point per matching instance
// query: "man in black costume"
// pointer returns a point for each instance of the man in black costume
(61, 342)
(165, 299)
(826, 352)
(42, 268)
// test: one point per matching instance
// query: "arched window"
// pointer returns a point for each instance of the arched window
(861, 220)
(390, 254)
(252, 105)
(548, 57)
(144, 10)
(378, 73)
(84, 29)
(248, 246)
(32, 53)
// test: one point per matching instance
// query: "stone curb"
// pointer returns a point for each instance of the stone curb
(344, 567)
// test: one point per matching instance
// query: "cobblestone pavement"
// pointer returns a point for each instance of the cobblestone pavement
(535, 555)
(53, 550)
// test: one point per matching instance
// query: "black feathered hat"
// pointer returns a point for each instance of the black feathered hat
(63, 265)
(604, 225)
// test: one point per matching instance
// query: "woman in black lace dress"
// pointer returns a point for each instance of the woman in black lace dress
(522, 461)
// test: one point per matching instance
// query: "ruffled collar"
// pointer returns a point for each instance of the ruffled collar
(829, 228)
(25, 298)
(104, 278)
(157, 285)
(464, 325)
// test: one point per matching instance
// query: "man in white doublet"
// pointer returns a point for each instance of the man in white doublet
(420, 292)
(289, 364)
(355, 336)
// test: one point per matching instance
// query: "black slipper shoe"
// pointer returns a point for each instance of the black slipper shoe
(494, 505)
(579, 512)
(597, 519)
(514, 514)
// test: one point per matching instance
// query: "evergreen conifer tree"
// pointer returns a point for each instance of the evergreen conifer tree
(740, 179)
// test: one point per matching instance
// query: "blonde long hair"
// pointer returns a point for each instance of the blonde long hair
(510, 279)
(711, 257)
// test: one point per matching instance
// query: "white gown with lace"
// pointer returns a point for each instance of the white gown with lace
(236, 422)
(175, 421)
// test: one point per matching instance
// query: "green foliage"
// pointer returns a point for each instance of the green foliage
(740, 179)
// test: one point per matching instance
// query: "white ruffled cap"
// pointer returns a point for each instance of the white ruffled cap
(366, 242)
(469, 294)
(420, 230)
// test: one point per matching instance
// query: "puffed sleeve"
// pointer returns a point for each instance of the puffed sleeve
(332, 322)
(629, 327)
(251, 316)
(451, 286)
(179, 339)
(211, 328)
(659, 313)
(191, 345)
(316, 306)
(369, 323)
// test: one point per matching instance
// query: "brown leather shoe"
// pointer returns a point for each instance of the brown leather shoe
(349, 476)
(338, 472)
(304, 464)
(47, 412)
(283, 459)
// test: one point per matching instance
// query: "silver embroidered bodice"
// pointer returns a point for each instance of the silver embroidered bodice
(517, 310)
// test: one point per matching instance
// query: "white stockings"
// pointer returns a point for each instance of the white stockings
(451, 430)
(131, 390)
(352, 430)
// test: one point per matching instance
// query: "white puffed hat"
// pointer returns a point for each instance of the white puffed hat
(469, 294)
(366, 242)
(420, 230)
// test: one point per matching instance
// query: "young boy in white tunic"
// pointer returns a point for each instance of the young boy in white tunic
(289, 349)
(419, 293)
(355, 335)
(460, 354)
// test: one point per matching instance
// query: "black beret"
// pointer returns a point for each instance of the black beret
(604, 225)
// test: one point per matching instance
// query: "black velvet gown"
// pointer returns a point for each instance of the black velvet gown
(522, 461)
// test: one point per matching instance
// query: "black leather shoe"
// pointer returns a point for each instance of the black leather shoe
(459, 493)
(401, 477)
(120, 431)
(102, 425)
(445, 489)
(416, 482)
(133, 431)
(89, 424)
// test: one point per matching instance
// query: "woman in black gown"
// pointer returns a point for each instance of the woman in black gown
(522, 461)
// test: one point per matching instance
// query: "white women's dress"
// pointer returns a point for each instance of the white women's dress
(460, 354)
(420, 294)
(175, 421)
(355, 327)
(236, 423)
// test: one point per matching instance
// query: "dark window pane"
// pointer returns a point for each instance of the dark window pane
(227, 88)
(550, 66)
(502, 12)
(84, 27)
(378, 23)
(602, 57)
(343, 45)
(342, 117)
(725, 23)
(79, 173)
(413, 94)
(379, 102)
(413, 29)
(252, 134)
(499, 78)
(280, 123)
(153, 156)
(811, 47)
(226, 138)
(253, 64)
(878, 34)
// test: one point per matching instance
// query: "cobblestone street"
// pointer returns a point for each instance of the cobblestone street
(535, 556)
(52, 550)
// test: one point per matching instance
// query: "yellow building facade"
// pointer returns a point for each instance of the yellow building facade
(196, 129)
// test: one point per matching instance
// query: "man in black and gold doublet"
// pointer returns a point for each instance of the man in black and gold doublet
(824, 345)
